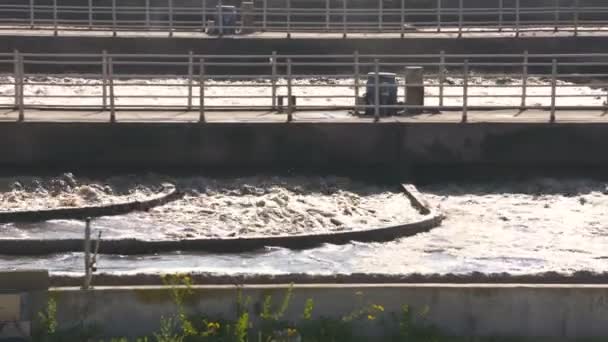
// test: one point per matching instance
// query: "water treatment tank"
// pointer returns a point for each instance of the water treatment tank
(388, 92)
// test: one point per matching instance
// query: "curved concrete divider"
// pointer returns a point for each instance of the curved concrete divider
(223, 245)
(170, 194)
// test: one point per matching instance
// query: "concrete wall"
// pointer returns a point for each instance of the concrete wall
(390, 147)
(555, 311)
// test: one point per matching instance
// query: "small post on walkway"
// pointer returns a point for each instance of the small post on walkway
(21, 89)
(16, 76)
(288, 19)
(576, 15)
(460, 17)
(170, 18)
(190, 79)
(414, 89)
(344, 19)
(201, 81)
(556, 8)
(553, 89)
(500, 15)
(517, 17)
(356, 81)
(289, 92)
(56, 30)
(111, 82)
(438, 15)
(465, 92)
(442, 72)
(273, 81)
(376, 91)
(524, 81)
(87, 255)
(114, 18)
(104, 80)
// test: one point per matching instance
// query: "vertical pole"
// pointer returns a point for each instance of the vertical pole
(55, 17)
(465, 92)
(274, 80)
(147, 9)
(16, 76)
(524, 81)
(288, 18)
(327, 16)
(380, 14)
(114, 18)
(190, 79)
(402, 28)
(500, 15)
(553, 89)
(264, 15)
(441, 76)
(31, 14)
(87, 255)
(517, 17)
(460, 17)
(90, 14)
(201, 80)
(220, 17)
(203, 15)
(21, 89)
(344, 19)
(576, 14)
(104, 79)
(111, 81)
(170, 18)
(376, 91)
(556, 8)
(289, 93)
(438, 15)
(356, 64)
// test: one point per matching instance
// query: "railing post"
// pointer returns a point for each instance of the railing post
(524, 81)
(220, 18)
(376, 90)
(201, 80)
(517, 17)
(556, 9)
(439, 15)
(90, 14)
(32, 14)
(327, 15)
(104, 80)
(16, 76)
(264, 15)
(21, 89)
(87, 255)
(380, 15)
(289, 93)
(288, 19)
(465, 92)
(190, 79)
(55, 18)
(114, 18)
(273, 81)
(576, 14)
(111, 82)
(344, 18)
(402, 17)
(460, 17)
(441, 76)
(147, 9)
(500, 15)
(170, 18)
(356, 81)
(553, 89)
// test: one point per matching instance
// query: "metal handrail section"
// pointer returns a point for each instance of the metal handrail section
(519, 16)
(289, 83)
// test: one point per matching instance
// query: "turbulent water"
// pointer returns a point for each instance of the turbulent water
(520, 227)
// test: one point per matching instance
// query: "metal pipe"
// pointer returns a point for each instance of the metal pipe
(441, 76)
(32, 14)
(465, 92)
(111, 82)
(460, 17)
(220, 18)
(273, 81)
(380, 14)
(344, 19)
(55, 17)
(356, 64)
(114, 18)
(576, 14)
(90, 14)
(500, 15)
(21, 88)
(147, 14)
(290, 108)
(553, 89)
(170, 18)
(201, 80)
(87, 255)
(517, 17)
(104, 80)
(288, 19)
(402, 18)
(327, 16)
(190, 79)
(16, 76)
(438, 15)
(204, 15)
(376, 91)
(524, 80)
(556, 5)
(264, 14)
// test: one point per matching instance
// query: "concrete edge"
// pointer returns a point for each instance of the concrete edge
(223, 245)
(90, 211)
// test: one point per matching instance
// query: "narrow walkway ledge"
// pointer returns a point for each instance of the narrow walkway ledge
(224, 245)
(80, 213)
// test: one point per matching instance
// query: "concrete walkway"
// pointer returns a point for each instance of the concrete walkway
(534, 116)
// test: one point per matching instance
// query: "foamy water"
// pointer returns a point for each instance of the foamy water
(516, 227)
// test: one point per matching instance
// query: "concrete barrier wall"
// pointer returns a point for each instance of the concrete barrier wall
(556, 311)
(388, 147)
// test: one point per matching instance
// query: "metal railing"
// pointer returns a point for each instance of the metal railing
(294, 83)
(519, 16)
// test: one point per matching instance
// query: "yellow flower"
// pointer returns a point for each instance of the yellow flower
(378, 308)
(371, 317)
